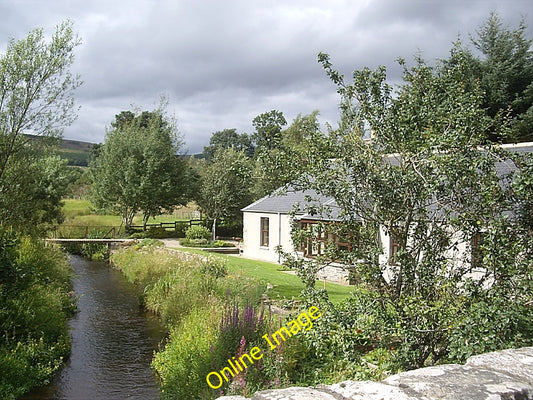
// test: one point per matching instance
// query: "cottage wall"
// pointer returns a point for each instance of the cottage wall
(279, 234)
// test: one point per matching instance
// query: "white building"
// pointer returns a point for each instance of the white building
(267, 225)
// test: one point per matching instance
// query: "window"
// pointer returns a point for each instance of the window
(477, 256)
(264, 232)
(320, 237)
(393, 250)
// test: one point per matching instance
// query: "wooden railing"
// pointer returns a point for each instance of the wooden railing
(112, 231)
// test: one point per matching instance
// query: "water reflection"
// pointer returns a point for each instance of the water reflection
(113, 341)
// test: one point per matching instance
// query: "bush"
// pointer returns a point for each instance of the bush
(197, 232)
(194, 242)
(214, 267)
(204, 243)
(35, 304)
(198, 301)
(154, 232)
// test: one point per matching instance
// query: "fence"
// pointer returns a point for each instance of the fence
(86, 231)
(112, 231)
(176, 225)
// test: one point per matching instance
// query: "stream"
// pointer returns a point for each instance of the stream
(113, 341)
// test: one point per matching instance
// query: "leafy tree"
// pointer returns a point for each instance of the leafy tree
(225, 186)
(138, 167)
(229, 138)
(505, 72)
(268, 128)
(34, 204)
(36, 96)
(409, 162)
(284, 163)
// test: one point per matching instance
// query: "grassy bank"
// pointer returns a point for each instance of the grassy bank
(35, 305)
(286, 286)
(211, 306)
(192, 294)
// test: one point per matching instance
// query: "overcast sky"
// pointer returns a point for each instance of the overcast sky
(221, 63)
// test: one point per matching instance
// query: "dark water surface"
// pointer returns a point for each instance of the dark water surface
(113, 341)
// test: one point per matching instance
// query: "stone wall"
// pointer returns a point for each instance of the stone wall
(506, 374)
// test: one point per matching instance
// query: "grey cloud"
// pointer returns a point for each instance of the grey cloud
(223, 63)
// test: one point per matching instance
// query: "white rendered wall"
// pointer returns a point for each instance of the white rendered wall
(279, 234)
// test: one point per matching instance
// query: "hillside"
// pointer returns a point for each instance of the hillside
(76, 152)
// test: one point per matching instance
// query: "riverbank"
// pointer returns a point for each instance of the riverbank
(35, 304)
(113, 340)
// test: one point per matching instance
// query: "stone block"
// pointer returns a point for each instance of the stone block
(515, 362)
(232, 398)
(368, 390)
(293, 393)
(459, 382)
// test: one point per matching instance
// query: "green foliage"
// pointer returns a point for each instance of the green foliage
(268, 128)
(197, 232)
(36, 89)
(204, 243)
(214, 268)
(505, 72)
(138, 168)
(228, 138)
(33, 204)
(226, 186)
(35, 304)
(279, 164)
(408, 164)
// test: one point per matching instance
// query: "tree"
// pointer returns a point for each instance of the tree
(285, 162)
(36, 97)
(33, 204)
(505, 72)
(410, 163)
(225, 186)
(229, 138)
(268, 128)
(138, 167)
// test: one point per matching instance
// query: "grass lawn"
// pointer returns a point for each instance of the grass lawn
(286, 285)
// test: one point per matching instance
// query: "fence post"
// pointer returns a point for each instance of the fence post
(86, 231)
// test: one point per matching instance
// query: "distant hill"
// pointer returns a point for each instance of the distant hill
(78, 153)
(75, 151)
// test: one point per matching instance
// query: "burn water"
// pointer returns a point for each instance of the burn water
(113, 341)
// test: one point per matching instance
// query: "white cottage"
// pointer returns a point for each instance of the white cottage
(267, 224)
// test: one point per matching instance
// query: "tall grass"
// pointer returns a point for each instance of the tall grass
(35, 304)
(193, 294)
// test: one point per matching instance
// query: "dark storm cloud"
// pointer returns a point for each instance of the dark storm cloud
(222, 63)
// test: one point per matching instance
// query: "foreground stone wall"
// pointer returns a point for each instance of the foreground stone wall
(506, 374)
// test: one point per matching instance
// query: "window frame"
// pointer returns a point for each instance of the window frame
(264, 232)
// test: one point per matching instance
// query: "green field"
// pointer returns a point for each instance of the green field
(82, 212)
(81, 219)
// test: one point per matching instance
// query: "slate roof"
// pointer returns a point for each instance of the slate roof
(283, 200)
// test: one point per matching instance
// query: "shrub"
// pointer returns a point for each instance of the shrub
(35, 304)
(204, 243)
(197, 232)
(194, 242)
(154, 232)
(214, 267)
